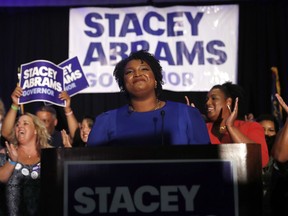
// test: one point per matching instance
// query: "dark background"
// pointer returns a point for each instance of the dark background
(31, 30)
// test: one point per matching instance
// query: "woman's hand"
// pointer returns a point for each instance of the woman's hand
(282, 103)
(65, 96)
(188, 102)
(12, 151)
(66, 139)
(280, 148)
(16, 94)
(233, 115)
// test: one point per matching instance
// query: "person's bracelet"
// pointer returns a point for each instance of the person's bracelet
(12, 162)
(13, 107)
(69, 113)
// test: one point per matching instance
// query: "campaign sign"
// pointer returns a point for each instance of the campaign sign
(74, 78)
(41, 80)
(197, 46)
(150, 187)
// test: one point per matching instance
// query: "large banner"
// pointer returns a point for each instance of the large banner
(197, 46)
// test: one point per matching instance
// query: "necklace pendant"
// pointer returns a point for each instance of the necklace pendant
(222, 128)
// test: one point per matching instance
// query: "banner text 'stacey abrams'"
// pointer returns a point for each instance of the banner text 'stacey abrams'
(42, 80)
(196, 46)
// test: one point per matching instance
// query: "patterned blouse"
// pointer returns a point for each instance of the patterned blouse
(22, 191)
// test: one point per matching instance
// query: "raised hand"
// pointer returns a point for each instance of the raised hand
(16, 94)
(65, 96)
(233, 115)
(188, 102)
(66, 139)
(12, 151)
(282, 103)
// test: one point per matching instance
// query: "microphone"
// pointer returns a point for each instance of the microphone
(162, 127)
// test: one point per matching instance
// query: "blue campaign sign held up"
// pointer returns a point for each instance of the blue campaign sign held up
(151, 187)
(74, 77)
(41, 80)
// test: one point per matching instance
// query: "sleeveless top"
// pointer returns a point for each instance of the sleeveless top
(22, 191)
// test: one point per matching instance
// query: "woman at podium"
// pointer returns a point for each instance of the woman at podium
(146, 119)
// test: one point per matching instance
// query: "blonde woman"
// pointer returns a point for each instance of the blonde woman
(20, 165)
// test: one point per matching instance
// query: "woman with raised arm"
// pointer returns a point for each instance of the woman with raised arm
(280, 147)
(279, 179)
(78, 131)
(224, 127)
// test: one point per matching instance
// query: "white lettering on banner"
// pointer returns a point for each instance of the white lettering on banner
(42, 81)
(67, 69)
(41, 71)
(69, 75)
(105, 200)
(38, 91)
(72, 76)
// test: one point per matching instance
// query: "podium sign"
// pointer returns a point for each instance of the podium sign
(153, 187)
(173, 180)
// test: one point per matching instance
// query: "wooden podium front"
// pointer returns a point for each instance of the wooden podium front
(198, 180)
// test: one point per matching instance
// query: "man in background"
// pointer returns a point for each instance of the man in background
(49, 116)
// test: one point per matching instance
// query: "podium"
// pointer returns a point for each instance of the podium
(202, 180)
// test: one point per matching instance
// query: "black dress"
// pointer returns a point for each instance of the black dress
(22, 191)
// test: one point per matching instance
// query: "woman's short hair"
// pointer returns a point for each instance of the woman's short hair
(234, 91)
(145, 56)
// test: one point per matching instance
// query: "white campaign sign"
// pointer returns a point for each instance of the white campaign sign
(197, 46)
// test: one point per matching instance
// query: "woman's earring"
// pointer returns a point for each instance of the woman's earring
(229, 108)
(155, 84)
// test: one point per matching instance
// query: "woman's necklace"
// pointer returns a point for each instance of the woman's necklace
(157, 106)
(29, 156)
(222, 128)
